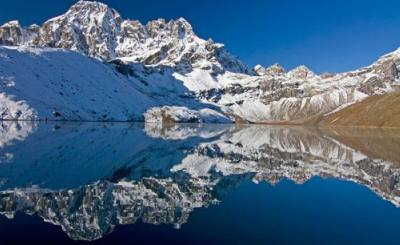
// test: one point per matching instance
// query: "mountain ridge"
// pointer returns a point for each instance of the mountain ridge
(178, 75)
(98, 31)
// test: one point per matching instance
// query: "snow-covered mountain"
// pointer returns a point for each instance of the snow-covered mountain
(99, 31)
(91, 64)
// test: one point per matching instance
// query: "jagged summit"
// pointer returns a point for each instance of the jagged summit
(301, 72)
(82, 4)
(259, 70)
(273, 70)
(89, 6)
(11, 23)
(91, 11)
(98, 31)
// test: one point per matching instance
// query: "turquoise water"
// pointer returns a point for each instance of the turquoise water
(197, 184)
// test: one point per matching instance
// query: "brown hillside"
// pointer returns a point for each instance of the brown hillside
(375, 111)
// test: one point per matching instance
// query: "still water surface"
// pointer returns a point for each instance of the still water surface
(198, 184)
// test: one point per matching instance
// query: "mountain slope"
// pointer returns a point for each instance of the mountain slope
(375, 111)
(54, 84)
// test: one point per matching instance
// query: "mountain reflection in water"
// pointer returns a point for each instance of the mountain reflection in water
(90, 177)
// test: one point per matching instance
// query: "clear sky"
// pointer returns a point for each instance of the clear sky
(336, 35)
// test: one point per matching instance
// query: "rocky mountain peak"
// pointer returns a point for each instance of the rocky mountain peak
(11, 33)
(301, 72)
(90, 13)
(88, 9)
(182, 26)
(176, 29)
(80, 5)
(12, 23)
(88, 27)
(259, 70)
(273, 70)
(98, 31)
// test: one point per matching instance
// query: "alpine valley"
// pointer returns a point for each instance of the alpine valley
(89, 64)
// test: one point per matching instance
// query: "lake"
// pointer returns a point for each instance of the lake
(131, 183)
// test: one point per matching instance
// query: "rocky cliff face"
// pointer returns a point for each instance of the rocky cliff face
(171, 66)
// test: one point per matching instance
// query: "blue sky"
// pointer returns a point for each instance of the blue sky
(324, 35)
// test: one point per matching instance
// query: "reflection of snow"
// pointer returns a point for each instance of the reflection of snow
(6, 157)
(274, 153)
(204, 160)
(2, 182)
(7, 81)
(11, 131)
(182, 131)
